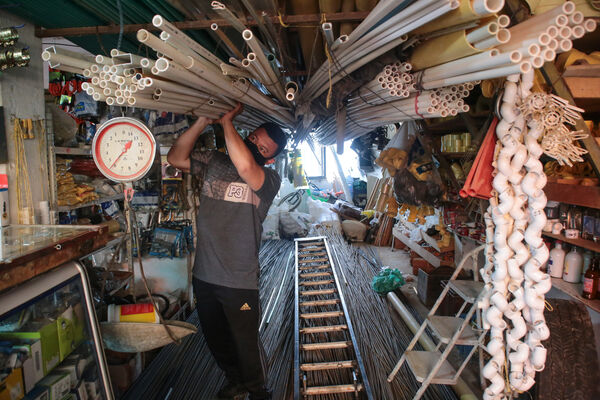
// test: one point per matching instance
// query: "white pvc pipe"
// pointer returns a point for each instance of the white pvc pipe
(501, 37)
(55, 59)
(590, 25)
(327, 29)
(503, 21)
(487, 7)
(483, 32)
(522, 67)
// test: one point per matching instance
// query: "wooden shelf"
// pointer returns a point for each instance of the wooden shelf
(585, 196)
(462, 154)
(586, 244)
(574, 290)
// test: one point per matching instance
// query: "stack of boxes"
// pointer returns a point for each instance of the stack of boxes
(41, 359)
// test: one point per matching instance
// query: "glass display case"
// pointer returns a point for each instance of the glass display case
(17, 241)
(50, 340)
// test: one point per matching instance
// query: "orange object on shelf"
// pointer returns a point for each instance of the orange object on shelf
(479, 180)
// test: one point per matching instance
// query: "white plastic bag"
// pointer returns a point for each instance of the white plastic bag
(271, 224)
(294, 224)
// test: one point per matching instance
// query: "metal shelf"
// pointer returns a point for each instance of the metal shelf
(109, 244)
(73, 151)
(118, 196)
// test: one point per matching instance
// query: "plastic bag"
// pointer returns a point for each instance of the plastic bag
(387, 280)
(271, 224)
(294, 224)
(321, 214)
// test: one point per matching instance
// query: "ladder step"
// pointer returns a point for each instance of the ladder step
(445, 327)
(326, 314)
(468, 290)
(317, 283)
(328, 365)
(318, 390)
(314, 274)
(304, 255)
(315, 303)
(421, 364)
(316, 260)
(325, 346)
(323, 329)
(311, 250)
(324, 266)
(317, 292)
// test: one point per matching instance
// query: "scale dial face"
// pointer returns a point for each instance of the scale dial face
(123, 149)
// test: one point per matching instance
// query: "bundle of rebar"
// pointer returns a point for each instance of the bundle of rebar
(380, 338)
(188, 371)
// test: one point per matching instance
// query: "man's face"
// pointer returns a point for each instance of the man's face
(266, 146)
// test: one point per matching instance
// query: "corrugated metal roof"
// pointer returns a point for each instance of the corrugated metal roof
(74, 13)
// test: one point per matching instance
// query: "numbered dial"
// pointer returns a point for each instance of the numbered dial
(124, 149)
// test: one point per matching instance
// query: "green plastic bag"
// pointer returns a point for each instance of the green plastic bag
(387, 280)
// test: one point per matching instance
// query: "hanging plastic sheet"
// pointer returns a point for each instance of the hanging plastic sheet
(479, 180)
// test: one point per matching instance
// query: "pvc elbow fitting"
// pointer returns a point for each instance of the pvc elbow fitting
(499, 301)
(500, 183)
(490, 370)
(528, 184)
(541, 330)
(494, 346)
(538, 357)
(518, 303)
(541, 254)
(493, 316)
(515, 273)
(497, 385)
(544, 285)
(519, 356)
(504, 165)
(510, 93)
(519, 330)
(502, 128)
(532, 299)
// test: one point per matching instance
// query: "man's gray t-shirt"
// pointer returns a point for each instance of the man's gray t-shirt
(229, 221)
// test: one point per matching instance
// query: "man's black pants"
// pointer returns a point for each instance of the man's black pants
(230, 319)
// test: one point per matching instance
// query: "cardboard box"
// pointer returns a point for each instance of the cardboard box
(58, 384)
(78, 324)
(64, 329)
(46, 332)
(38, 393)
(33, 370)
(11, 388)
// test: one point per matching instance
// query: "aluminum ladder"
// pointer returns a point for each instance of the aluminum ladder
(325, 344)
(432, 367)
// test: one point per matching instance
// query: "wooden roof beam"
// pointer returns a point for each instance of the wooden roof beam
(301, 19)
